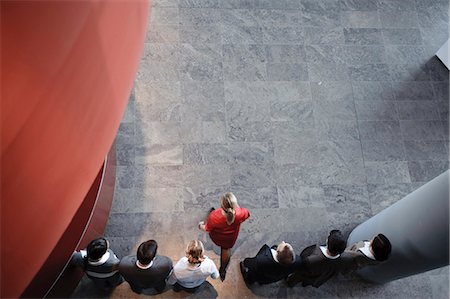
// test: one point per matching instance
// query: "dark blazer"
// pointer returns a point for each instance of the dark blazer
(316, 268)
(360, 259)
(264, 269)
(140, 279)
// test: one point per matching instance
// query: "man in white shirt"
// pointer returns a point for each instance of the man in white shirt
(192, 270)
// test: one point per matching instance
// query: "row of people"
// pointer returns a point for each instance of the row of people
(315, 265)
(148, 270)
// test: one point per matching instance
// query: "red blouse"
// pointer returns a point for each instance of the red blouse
(221, 233)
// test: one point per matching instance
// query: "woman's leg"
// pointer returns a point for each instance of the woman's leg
(224, 260)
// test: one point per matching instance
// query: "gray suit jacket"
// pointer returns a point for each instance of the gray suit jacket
(153, 277)
(360, 260)
(316, 268)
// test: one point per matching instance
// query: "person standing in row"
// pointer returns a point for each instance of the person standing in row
(146, 269)
(271, 264)
(192, 270)
(320, 263)
(100, 264)
(223, 227)
(371, 252)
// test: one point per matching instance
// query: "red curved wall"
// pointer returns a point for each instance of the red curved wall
(67, 68)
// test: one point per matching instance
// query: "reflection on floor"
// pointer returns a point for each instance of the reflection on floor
(317, 114)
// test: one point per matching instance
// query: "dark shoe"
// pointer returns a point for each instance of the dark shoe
(211, 210)
(222, 273)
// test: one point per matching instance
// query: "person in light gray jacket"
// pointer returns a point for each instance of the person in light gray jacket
(191, 271)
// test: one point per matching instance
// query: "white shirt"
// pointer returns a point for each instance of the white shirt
(366, 250)
(325, 253)
(274, 255)
(192, 275)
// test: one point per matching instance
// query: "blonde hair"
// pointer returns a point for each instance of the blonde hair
(229, 205)
(194, 252)
(285, 254)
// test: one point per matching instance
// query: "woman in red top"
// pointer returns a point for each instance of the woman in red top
(223, 227)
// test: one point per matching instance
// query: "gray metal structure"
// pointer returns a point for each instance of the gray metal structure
(418, 228)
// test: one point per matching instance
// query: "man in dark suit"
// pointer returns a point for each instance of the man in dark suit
(370, 252)
(270, 264)
(146, 269)
(320, 263)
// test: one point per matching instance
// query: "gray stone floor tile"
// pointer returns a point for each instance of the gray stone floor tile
(336, 91)
(301, 197)
(285, 53)
(321, 35)
(282, 34)
(358, 5)
(291, 111)
(266, 91)
(360, 19)
(247, 176)
(287, 72)
(250, 131)
(201, 34)
(370, 72)
(398, 36)
(408, 72)
(162, 15)
(163, 34)
(337, 129)
(383, 150)
(441, 91)
(248, 111)
(206, 175)
(426, 150)
(404, 54)
(423, 130)
(376, 110)
(424, 171)
(418, 110)
(204, 153)
(363, 36)
(372, 91)
(251, 152)
(238, 34)
(398, 19)
(328, 19)
(387, 172)
(328, 72)
(379, 130)
(397, 5)
(198, 3)
(199, 16)
(383, 195)
(257, 198)
(159, 154)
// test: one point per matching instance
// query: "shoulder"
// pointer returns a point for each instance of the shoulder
(127, 261)
(242, 213)
(310, 250)
(208, 263)
(163, 260)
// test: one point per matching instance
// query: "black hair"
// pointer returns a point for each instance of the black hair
(381, 247)
(96, 249)
(336, 242)
(147, 251)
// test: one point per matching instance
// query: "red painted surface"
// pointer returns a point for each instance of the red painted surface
(67, 68)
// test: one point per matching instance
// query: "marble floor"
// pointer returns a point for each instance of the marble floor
(317, 114)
